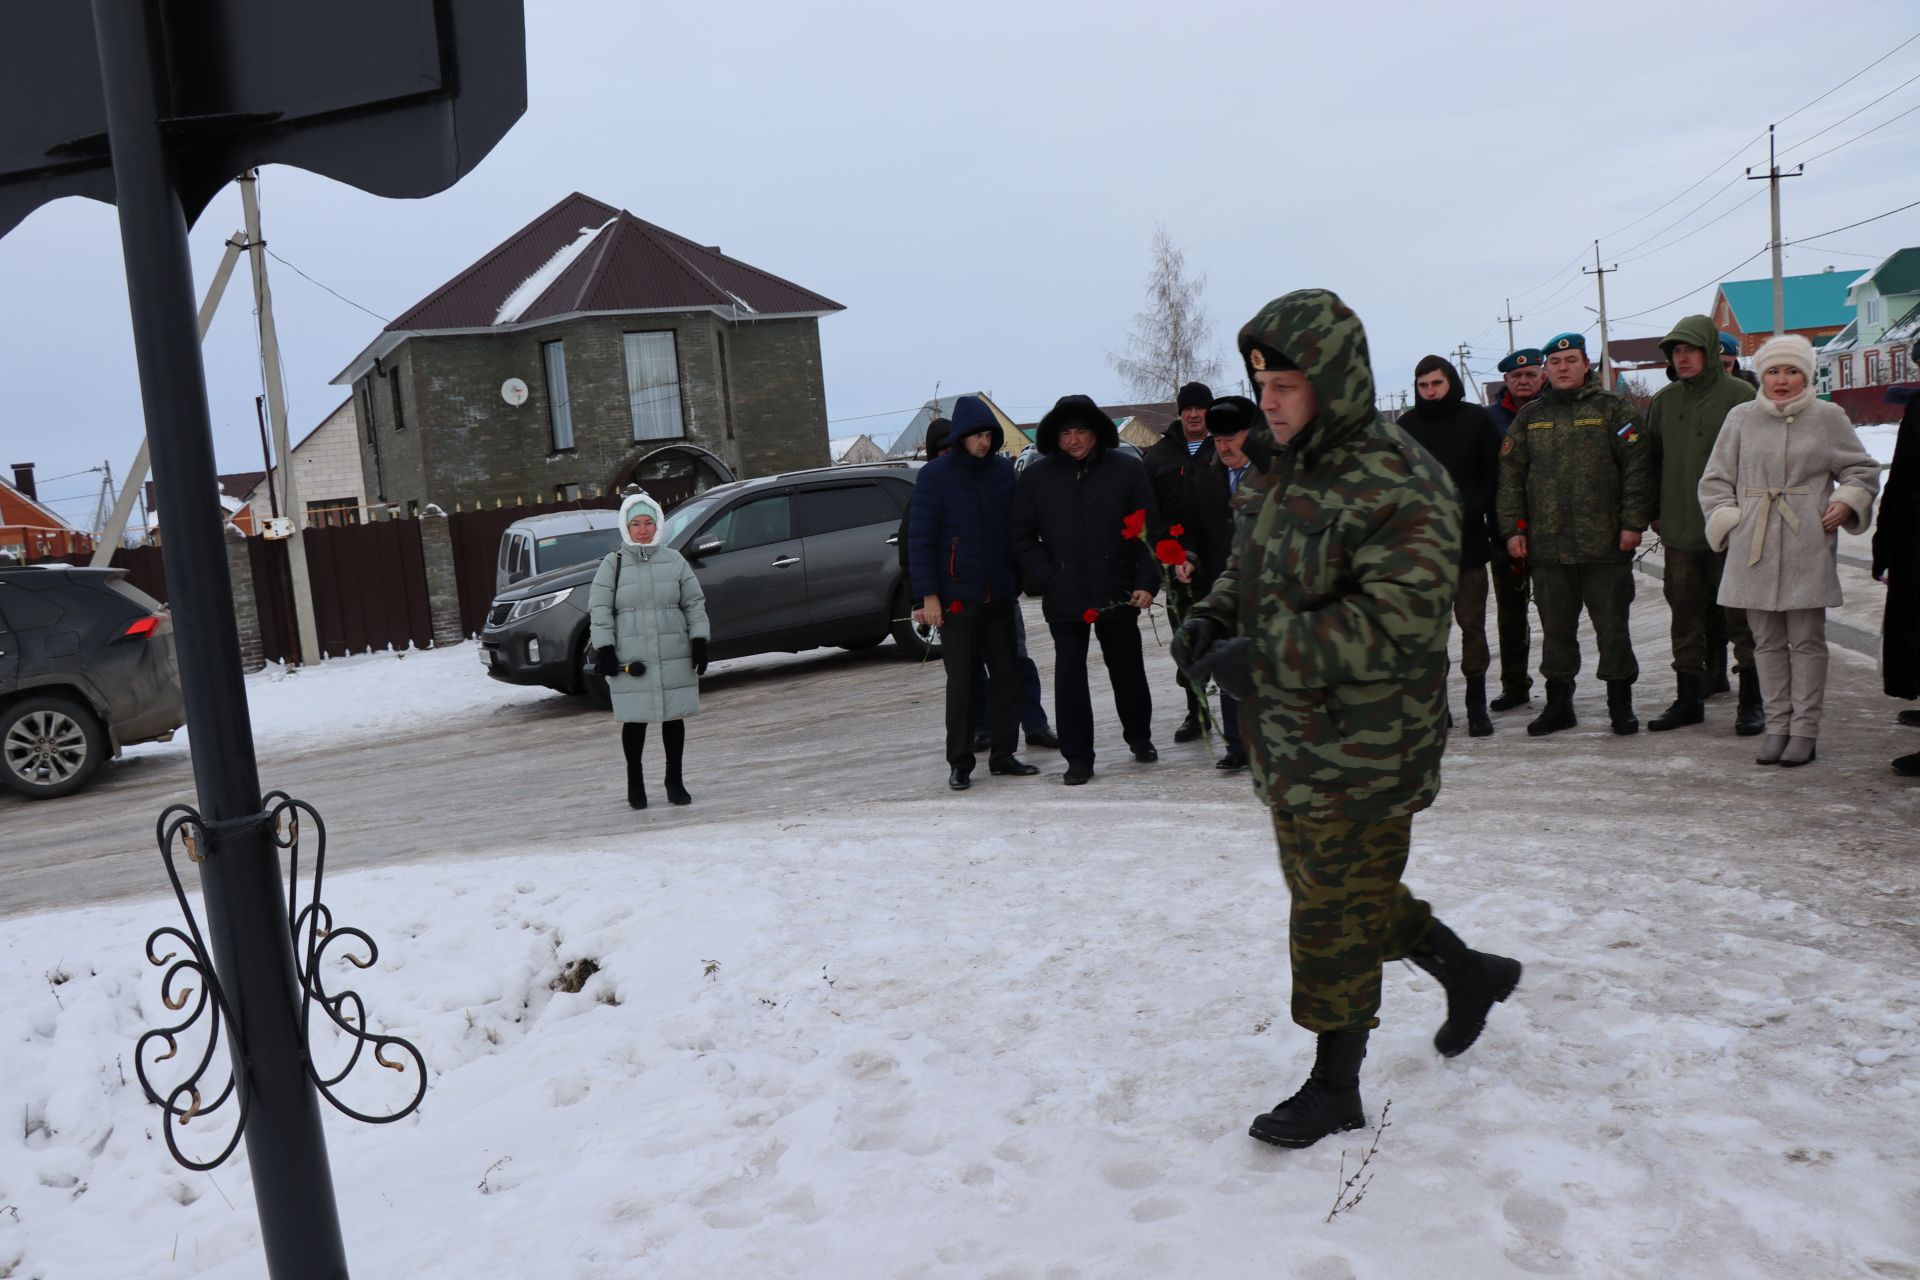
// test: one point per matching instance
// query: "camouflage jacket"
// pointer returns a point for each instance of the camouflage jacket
(1342, 573)
(1576, 469)
(1682, 425)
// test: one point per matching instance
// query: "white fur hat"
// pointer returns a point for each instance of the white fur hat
(1789, 349)
(640, 504)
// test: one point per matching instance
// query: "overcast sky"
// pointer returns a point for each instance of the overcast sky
(979, 186)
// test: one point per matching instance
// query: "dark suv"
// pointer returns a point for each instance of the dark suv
(788, 562)
(86, 668)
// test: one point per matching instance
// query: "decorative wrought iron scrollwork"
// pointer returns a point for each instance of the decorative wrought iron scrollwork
(314, 937)
(313, 933)
(180, 825)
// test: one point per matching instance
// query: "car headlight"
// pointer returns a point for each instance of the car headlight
(536, 604)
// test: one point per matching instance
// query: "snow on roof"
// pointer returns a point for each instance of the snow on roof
(838, 447)
(536, 284)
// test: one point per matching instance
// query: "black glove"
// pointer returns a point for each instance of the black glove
(700, 655)
(1191, 642)
(1230, 663)
(604, 661)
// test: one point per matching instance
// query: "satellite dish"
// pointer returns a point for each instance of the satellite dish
(514, 392)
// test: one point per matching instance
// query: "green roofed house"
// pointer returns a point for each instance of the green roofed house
(1817, 307)
(1875, 350)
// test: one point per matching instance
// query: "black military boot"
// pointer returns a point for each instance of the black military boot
(1750, 717)
(1478, 725)
(1620, 707)
(1475, 982)
(1329, 1102)
(1513, 696)
(1715, 680)
(1690, 707)
(1559, 713)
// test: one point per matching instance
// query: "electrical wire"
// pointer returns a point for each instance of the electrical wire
(1856, 137)
(335, 292)
(1850, 79)
(1851, 225)
(1696, 182)
(1633, 315)
(1757, 193)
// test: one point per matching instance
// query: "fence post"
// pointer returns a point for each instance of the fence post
(443, 590)
(246, 605)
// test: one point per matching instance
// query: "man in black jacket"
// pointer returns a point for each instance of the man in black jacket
(1211, 532)
(1073, 511)
(1174, 465)
(1462, 438)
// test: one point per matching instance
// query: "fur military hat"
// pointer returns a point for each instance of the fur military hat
(1524, 358)
(1230, 414)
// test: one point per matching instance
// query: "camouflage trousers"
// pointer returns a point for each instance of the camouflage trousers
(1606, 591)
(1516, 629)
(1350, 914)
(1701, 626)
(1470, 615)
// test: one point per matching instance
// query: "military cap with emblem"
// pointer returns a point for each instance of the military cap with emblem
(1262, 358)
(1525, 358)
(1566, 342)
(1729, 345)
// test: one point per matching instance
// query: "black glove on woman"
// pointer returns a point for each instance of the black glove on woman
(604, 661)
(700, 655)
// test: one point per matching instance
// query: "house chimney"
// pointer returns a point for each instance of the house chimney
(23, 480)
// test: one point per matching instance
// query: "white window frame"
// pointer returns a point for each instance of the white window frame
(553, 359)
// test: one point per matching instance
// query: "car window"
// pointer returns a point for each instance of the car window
(750, 524)
(28, 610)
(517, 563)
(687, 513)
(574, 548)
(845, 506)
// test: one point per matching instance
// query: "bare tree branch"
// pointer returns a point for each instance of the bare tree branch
(1168, 337)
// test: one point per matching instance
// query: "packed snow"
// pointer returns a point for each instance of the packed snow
(528, 291)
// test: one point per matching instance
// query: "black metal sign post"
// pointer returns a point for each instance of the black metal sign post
(252, 950)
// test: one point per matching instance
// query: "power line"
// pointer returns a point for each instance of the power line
(335, 292)
(1696, 182)
(1633, 315)
(1850, 79)
(1856, 137)
(887, 413)
(1851, 225)
(1730, 209)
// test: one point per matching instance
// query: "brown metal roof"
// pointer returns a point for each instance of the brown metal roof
(1639, 353)
(627, 265)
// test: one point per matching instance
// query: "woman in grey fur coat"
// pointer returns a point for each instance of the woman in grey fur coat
(1788, 470)
(648, 628)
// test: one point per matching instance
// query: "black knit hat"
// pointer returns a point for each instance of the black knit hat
(1195, 395)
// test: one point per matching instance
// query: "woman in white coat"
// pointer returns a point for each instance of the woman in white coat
(1788, 470)
(648, 628)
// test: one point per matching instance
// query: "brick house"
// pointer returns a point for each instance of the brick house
(585, 345)
(29, 531)
(1814, 306)
(326, 471)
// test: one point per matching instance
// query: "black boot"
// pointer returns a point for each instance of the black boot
(674, 734)
(1690, 707)
(1559, 713)
(1478, 725)
(1715, 680)
(1513, 696)
(1475, 982)
(1750, 717)
(1329, 1102)
(1189, 729)
(633, 745)
(1620, 707)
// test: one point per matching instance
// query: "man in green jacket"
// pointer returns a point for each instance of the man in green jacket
(1682, 426)
(1576, 492)
(1337, 598)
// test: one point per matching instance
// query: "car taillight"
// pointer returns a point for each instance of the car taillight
(143, 626)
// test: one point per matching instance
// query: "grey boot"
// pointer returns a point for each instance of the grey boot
(1771, 748)
(1799, 751)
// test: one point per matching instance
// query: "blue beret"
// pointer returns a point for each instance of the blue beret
(1525, 358)
(1566, 342)
(1729, 345)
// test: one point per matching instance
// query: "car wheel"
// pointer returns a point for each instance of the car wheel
(921, 642)
(49, 747)
(590, 685)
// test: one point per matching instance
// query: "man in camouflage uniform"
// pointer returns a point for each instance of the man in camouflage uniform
(1520, 371)
(1682, 425)
(1576, 492)
(1330, 624)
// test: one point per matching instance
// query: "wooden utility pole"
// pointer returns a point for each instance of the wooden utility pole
(123, 507)
(1772, 178)
(1600, 273)
(1508, 320)
(1462, 354)
(277, 419)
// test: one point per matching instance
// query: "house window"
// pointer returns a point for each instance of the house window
(653, 386)
(566, 492)
(366, 396)
(1872, 362)
(332, 513)
(1870, 311)
(559, 404)
(1846, 371)
(1899, 364)
(393, 392)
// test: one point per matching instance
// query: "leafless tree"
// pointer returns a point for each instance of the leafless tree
(1164, 351)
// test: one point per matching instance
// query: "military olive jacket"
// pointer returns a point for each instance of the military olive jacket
(1682, 425)
(1575, 470)
(1343, 571)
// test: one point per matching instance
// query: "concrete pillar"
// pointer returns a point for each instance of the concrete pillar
(246, 604)
(443, 589)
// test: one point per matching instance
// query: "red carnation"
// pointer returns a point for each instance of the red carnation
(954, 607)
(1519, 524)
(1177, 530)
(1134, 525)
(1169, 552)
(1090, 616)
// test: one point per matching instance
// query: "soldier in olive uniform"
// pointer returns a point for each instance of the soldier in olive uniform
(1520, 371)
(1682, 426)
(1330, 625)
(1576, 492)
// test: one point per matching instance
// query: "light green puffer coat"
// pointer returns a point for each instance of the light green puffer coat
(654, 617)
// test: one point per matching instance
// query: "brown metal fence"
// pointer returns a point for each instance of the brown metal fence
(273, 594)
(369, 587)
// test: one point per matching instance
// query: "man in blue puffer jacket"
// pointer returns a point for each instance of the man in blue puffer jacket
(964, 572)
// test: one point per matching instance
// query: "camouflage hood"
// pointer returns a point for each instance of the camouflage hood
(1323, 336)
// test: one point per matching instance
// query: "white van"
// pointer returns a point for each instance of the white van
(541, 544)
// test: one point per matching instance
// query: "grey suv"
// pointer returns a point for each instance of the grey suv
(788, 562)
(86, 667)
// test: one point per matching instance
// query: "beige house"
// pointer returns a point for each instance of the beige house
(326, 473)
